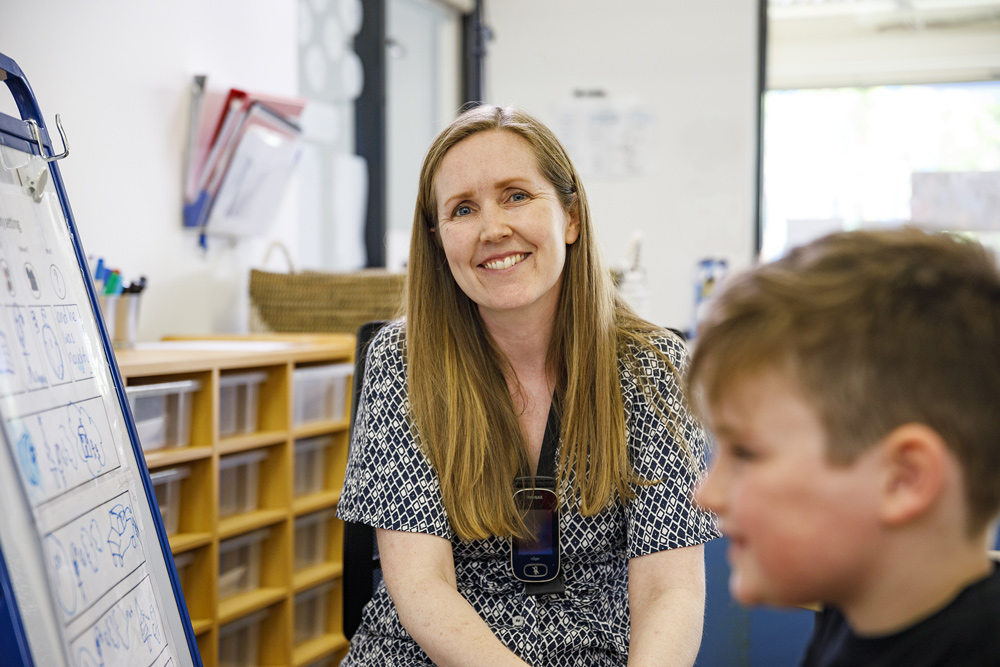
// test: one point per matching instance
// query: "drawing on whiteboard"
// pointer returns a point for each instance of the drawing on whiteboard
(124, 534)
(6, 358)
(36, 377)
(92, 554)
(60, 575)
(59, 449)
(88, 438)
(53, 351)
(27, 456)
(127, 634)
(60, 457)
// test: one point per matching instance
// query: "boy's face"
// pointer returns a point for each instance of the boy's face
(800, 529)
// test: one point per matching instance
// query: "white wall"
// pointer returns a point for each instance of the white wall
(118, 73)
(693, 65)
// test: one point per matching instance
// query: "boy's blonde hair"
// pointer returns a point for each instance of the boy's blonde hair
(879, 329)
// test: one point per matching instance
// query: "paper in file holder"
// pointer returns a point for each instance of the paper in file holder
(86, 572)
(241, 158)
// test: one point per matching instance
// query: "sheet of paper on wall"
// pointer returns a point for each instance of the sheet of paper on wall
(251, 184)
(607, 139)
(956, 201)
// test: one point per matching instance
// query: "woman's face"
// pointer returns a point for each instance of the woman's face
(503, 227)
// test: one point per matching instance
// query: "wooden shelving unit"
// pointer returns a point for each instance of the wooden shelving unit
(201, 530)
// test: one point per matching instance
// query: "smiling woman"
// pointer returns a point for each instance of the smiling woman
(518, 367)
(503, 227)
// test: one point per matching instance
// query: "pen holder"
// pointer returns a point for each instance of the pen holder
(121, 317)
(126, 320)
(109, 308)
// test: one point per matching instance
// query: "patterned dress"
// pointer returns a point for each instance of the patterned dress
(390, 484)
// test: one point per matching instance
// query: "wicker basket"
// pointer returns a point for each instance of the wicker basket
(319, 301)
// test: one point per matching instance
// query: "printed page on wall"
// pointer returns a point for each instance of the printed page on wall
(76, 529)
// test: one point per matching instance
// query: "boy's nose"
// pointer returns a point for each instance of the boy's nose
(710, 493)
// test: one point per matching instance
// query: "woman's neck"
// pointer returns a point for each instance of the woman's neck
(526, 345)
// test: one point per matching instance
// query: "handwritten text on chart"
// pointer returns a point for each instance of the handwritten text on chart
(42, 346)
(59, 449)
(130, 634)
(92, 553)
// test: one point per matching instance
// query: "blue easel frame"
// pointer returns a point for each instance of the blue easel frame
(14, 649)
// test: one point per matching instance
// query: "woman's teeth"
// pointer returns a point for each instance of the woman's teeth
(506, 262)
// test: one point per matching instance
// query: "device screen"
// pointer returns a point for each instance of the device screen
(539, 522)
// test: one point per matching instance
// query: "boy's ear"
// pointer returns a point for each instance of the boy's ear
(916, 464)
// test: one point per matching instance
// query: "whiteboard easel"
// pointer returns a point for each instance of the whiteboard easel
(86, 572)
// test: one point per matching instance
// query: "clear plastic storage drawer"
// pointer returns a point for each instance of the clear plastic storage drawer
(162, 413)
(238, 396)
(321, 392)
(239, 563)
(311, 538)
(310, 464)
(167, 485)
(239, 641)
(238, 481)
(310, 612)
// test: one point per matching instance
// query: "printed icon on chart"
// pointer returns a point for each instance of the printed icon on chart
(32, 280)
(8, 277)
(58, 282)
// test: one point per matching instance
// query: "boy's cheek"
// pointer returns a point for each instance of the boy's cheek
(778, 577)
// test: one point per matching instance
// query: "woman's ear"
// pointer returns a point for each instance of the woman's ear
(573, 221)
(916, 468)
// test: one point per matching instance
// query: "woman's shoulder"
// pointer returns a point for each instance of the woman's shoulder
(387, 349)
(653, 347)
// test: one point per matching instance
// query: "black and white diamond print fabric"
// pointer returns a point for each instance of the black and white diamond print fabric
(390, 484)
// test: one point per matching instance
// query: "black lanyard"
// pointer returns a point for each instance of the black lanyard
(546, 477)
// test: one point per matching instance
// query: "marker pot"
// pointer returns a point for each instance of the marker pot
(109, 308)
(126, 318)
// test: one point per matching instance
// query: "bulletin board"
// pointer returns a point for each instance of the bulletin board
(86, 572)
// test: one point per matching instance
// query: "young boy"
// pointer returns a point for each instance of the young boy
(853, 389)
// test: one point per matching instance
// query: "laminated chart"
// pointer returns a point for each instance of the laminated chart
(91, 579)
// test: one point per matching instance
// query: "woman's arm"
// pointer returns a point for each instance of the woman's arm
(419, 572)
(666, 599)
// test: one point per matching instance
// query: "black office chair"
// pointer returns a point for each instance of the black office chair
(362, 571)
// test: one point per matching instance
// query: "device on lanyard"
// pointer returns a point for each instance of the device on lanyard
(535, 559)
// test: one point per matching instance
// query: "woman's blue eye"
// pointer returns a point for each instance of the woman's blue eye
(518, 196)
(463, 210)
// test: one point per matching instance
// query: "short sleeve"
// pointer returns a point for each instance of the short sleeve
(389, 482)
(663, 515)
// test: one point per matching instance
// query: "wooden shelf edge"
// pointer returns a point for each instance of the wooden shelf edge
(315, 501)
(244, 523)
(245, 603)
(316, 575)
(243, 442)
(165, 457)
(320, 428)
(182, 542)
(314, 649)
(201, 625)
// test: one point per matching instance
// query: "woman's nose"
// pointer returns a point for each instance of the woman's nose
(496, 227)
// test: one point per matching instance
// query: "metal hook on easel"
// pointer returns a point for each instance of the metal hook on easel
(36, 133)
